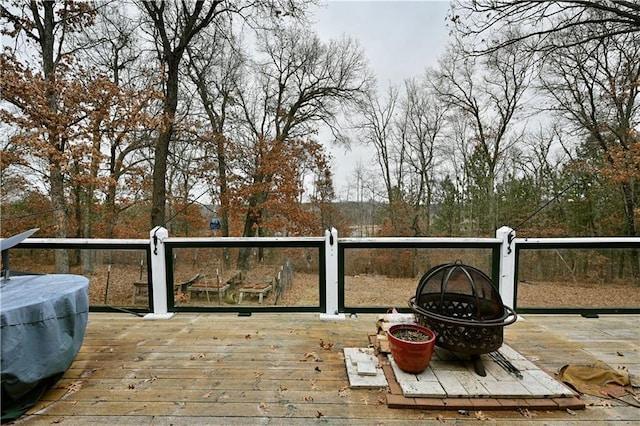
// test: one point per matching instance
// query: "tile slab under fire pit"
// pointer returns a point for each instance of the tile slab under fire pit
(449, 376)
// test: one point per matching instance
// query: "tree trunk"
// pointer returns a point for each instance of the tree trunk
(159, 196)
(59, 216)
(58, 201)
(110, 210)
(245, 252)
(223, 188)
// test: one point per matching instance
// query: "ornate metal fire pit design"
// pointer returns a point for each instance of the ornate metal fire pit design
(463, 307)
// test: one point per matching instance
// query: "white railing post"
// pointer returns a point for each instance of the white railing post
(159, 274)
(507, 284)
(331, 275)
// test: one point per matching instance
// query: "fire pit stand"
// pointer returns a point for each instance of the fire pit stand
(463, 307)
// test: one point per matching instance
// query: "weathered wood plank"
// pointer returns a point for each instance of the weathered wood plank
(545, 385)
(471, 384)
(132, 371)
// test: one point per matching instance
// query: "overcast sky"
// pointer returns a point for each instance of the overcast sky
(400, 39)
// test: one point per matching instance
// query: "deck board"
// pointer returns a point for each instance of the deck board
(221, 369)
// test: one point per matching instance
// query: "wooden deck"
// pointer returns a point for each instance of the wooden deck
(197, 369)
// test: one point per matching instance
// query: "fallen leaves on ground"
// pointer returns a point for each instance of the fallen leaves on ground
(365, 290)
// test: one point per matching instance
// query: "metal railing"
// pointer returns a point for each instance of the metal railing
(505, 257)
(524, 245)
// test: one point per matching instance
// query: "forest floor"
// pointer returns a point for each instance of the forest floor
(115, 288)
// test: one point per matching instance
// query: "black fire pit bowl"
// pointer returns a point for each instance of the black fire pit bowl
(463, 307)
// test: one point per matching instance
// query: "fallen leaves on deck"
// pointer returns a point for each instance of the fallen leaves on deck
(481, 416)
(526, 413)
(308, 355)
(75, 386)
(326, 346)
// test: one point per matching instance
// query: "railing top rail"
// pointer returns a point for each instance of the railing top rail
(210, 242)
(421, 240)
(75, 242)
(578, 241)
(250, 240)
(349, 240)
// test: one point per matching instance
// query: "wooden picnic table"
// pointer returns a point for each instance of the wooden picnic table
(219, 287)
(256, 286)
(140, 288)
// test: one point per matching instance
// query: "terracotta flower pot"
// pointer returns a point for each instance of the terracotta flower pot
(412, 356)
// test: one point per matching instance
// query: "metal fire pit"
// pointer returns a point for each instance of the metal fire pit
(463, 307)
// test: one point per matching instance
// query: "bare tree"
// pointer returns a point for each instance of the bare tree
(485, 96)
(596, 87)
(174, 27)
(378, 126)
(421, 126)
(548, 25)
(216, 66)
(299, 83)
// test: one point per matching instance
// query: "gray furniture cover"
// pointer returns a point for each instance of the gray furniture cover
(44, 318)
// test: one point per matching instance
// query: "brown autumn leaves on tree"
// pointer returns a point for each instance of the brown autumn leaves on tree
(99, 137)
(48, 102)
(243, 127)
(66, 116)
